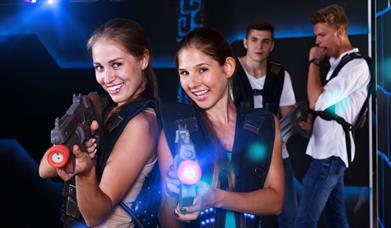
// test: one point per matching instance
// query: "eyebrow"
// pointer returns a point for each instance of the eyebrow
(111, 61)
(198, 65)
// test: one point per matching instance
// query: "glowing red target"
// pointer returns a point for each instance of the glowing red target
(189, 172)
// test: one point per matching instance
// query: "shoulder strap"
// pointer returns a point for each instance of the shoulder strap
(257, 136)
(345, 59)
(241, 87)
(256, 146)
(115, 127)
(273, 86)
(174, 114)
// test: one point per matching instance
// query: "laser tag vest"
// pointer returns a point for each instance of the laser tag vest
(147, 203)
(254, 133)
(329, 113)
(271, 92)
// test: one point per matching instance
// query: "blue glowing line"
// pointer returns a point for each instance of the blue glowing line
(382, 45)
(380, 222)
(381, 13)
(384, 158)
(381, 88)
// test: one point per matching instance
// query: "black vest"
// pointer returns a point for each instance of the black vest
(254, 130)
(271, 92)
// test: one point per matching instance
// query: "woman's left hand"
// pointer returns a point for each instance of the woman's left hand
(82, 165)
(202, 201)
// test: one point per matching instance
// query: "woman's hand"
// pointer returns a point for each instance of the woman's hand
(203, 200)
(83, 159)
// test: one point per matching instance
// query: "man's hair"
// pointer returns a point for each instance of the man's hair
(334, 15)
(261, 25)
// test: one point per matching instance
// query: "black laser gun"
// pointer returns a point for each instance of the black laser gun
(73, 128)
(290, 123)
(186, 166)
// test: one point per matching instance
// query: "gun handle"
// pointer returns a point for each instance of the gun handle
(58, 156)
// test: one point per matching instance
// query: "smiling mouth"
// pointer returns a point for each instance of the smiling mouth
(115, 88)
(201, 93)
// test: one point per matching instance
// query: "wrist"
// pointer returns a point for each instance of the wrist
(215, 198)
(314, 61)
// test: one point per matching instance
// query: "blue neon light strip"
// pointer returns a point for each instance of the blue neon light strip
(380, 223)
(381, 13)
(381, 88)
(385, 158)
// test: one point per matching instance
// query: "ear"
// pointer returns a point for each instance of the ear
(341, 31)
(229, 66)
(145, 59)
(245, 43)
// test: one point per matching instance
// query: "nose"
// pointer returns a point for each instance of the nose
(108, 76)
(193, 81)
(317, 40)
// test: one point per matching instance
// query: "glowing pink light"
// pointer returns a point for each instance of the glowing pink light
(189, 172)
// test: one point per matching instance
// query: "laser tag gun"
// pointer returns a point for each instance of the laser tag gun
(186, 166)
(290, 123)
(73, 128)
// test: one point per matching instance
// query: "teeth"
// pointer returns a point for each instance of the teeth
(200, 93)
(114, 87)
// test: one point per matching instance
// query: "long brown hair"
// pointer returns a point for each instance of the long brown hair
(212, 43)
(132, 37)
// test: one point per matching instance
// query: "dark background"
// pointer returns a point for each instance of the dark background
(43, 61)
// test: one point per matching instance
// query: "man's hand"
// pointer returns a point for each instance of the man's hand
(317, 53)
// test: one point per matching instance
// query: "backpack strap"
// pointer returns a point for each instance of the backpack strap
(329, 113)
(272, 89)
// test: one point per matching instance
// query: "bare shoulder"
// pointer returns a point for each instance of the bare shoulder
(144, 122)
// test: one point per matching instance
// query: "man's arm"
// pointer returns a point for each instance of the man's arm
(314, 84)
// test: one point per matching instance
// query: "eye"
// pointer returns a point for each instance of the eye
(203, 69)
(98, 68)
(116, 65)
(183, 73)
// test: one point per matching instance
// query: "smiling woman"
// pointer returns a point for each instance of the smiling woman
(121, 59)
(235, 189)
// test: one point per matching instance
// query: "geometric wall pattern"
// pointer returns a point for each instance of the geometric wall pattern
(383, 60)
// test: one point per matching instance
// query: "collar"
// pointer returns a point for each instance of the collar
(334, 61)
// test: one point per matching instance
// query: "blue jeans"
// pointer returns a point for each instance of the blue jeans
(288, 215)
(323, 189)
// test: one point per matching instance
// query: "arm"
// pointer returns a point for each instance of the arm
(128, 158)
(314, 84)
(168, 204)
(288, 99)
(46, 170)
